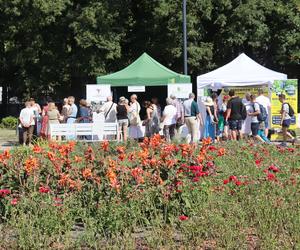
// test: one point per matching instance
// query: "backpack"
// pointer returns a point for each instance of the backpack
(262, 116)
(291, 110)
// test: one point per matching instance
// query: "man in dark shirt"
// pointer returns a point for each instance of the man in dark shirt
(234, 114)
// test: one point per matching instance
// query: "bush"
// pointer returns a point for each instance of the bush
(9, 122)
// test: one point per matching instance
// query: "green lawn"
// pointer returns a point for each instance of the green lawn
(7, 135)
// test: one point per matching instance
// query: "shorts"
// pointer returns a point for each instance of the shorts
(254, 128)
(235, 124)
(123, 122)
(286, 123)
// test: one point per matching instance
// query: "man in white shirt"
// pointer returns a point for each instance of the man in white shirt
(264, 101)
(110, 110)
(169, 119)
(27, 123)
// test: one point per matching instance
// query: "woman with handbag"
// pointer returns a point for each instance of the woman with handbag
(152, 121)
(135, 130)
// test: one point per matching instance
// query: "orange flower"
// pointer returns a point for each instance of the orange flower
(31, 164)
(63, 181)
(221, 152)
(51, 156)
(87, 173)
(120, 150)
(105, 146)
(78, 159)
(6, 154)
(206, 141)
(37, 149)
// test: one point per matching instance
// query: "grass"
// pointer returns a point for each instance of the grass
(7, 135)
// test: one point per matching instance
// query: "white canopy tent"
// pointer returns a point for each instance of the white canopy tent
(242, 71)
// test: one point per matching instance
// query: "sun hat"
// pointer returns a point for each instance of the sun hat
(209, 102)
(122, 99)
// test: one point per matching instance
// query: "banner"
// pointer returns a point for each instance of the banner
(97, 92)
(290, 89)
(136, 89)
(241, 91)
(180, 90)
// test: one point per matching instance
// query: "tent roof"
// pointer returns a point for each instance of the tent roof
(242, 71)
(143, 71)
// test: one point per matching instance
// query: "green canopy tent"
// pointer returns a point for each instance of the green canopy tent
(144, 71)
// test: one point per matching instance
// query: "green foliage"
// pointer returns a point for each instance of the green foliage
(9, 122)
(57, 46)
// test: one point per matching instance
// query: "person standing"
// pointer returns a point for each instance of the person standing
(179, 114)
(72, 114)
(44, 128)
(122, 117)
(36, 111)
(223, 113)
(155, 101)
(53, 116)
(266, 103)
(152, 121)
(210, 120)
(110, 110)
(285, 121)
(253, 112)
(65, 110)
(234, 115)
(27, 123)
(192, 116)
(169, 120)
(135, 130)
(246, 124)
(84, 112)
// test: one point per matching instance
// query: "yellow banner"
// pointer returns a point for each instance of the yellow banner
(290, 89)
(241, 91)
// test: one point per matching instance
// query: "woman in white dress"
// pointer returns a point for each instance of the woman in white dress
(135, 131)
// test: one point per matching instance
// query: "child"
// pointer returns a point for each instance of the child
(261, 132)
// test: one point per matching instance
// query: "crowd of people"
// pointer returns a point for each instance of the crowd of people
(235, 118)
(231, 118)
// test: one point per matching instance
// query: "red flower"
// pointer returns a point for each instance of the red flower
(258, 162)
(238, 183)
(183, 217)
(233, 178)
(14, 201)
(291, 150)
(274, 168)
(4, 192)
(212, 148)
(196, 179)
(44, 190)
(226, 181)
(271, 176)
(57, 202)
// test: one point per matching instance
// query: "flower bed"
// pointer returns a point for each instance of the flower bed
(151, 194)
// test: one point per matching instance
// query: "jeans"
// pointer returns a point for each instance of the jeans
(169, 132)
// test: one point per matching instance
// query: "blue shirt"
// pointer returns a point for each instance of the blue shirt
(74, 110)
